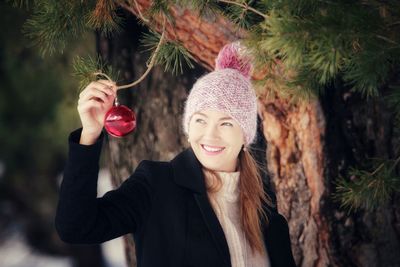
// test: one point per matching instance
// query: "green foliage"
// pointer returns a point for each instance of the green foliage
(34, 127)
(171, 55)
(242, 17)
(20, 3)
(86, 70)
(368, 190)
(159, 7)
(203, 7)
(36, 115)
(105, 18)
(320, 41)
(53, 23)
(308, 45)
(351, 40)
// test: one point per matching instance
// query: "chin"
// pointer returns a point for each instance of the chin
(210, 165)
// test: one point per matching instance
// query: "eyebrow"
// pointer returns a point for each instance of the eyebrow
(221, 119)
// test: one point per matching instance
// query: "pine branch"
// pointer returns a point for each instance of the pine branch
(242, 17)
(202, 7)
(104, 17)
(152, 60)
(318, 41)
(367, 70)
(368, 190)
(87, 70)
(330, 41)
(171, 55)
(245, 7)
(20, 3)
(160, 8)
(54, 23)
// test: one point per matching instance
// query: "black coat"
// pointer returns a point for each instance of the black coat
(164, 205)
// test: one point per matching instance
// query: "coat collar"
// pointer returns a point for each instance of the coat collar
(188, 173)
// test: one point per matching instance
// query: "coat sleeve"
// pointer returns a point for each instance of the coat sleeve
(81, 217)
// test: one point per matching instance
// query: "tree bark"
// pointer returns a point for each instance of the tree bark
(202, 36)
(308, 144)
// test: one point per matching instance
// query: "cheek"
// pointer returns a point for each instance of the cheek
(235, 137)
(194, 132)
(193, 137)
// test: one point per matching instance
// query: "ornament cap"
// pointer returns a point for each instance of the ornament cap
(116, 103)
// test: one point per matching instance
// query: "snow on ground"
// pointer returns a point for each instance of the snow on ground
(14, 251)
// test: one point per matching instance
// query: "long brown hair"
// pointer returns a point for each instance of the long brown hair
(252, 198)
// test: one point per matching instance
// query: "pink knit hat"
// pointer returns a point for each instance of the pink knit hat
(227, 89)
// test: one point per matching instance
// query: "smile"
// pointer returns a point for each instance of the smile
(212, 150)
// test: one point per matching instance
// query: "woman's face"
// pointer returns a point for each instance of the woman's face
(216, 140)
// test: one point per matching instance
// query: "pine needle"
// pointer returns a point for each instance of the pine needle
(203, 8)
(85, 68)
(104, 17)
(368, 189)
(172, 55)
(54, 23)
(160, 8)
(21, 3)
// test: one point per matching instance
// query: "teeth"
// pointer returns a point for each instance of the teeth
(211, 149)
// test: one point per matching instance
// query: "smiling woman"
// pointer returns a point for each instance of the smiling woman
(206, 207)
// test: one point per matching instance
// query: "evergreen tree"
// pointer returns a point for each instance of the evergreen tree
(302, 51)
(319, 42)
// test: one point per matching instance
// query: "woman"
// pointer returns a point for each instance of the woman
(206, 207)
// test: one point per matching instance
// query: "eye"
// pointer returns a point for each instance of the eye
(227, 124)
(200, 121)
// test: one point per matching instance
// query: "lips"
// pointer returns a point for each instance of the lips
(212, 150)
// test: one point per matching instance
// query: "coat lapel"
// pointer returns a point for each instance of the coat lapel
(188, 173)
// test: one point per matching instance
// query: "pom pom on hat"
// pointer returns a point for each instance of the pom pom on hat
(232, 56)
(227, 89)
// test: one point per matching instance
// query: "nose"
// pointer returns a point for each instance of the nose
(211, 132)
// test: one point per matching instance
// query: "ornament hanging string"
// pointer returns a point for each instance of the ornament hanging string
(119, 119)
(149, 67)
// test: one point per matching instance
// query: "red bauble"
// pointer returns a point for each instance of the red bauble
(120, 121)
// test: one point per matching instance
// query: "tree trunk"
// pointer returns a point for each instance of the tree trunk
(308, 145)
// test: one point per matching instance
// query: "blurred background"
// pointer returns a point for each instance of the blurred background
(38, 99)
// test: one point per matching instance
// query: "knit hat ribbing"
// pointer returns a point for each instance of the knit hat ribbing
(227, 89)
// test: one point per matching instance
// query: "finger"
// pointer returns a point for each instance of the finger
(109, 85)
(92, 105)
(95, 93)
(107, 82)
(88, 105)
(102, 86)
(97, 96)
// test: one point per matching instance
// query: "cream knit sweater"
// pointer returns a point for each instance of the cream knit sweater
(225, 204)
